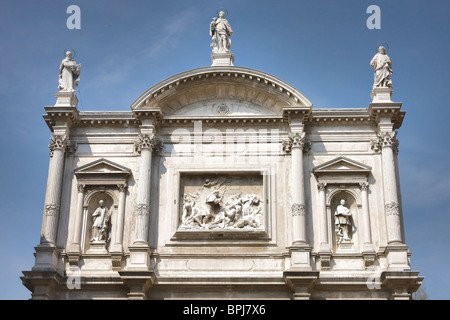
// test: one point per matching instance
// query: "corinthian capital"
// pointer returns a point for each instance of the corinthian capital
(58, 142)
(385, 140)
(145, 142)
(296, 140)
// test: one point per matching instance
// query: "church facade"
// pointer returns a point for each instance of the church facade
(223, 182)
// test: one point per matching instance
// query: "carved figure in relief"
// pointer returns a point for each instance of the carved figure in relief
(69, 74)
(382, 65)
(343, 222)
(100, 226)
(237, 211)
(220, 32)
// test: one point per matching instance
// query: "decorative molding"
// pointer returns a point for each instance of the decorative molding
(298, 209)
(392, 208)
(51, 210)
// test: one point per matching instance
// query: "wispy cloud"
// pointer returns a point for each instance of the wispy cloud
(167, 37)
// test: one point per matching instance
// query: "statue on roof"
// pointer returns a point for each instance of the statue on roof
(69, 74)
(382, 65)
(220, 32)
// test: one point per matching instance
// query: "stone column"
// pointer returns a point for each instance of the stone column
(145, 146)
(57, 147)
(298, 190)
(74, 250)
(368, 251)
(139, 250)
(299, 249)
(364, 186)
(324, 246)
(120, 218)
(388, 142)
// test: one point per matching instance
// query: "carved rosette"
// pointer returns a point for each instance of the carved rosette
(142, 209)
(298, 209)
(145, 142)
(58, 142)
(296, 140)
(392, 208)
(385, 139)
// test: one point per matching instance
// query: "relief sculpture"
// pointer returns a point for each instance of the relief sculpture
(214, 206)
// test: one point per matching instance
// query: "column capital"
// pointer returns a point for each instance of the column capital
(364, 186)
(385, 139)
(322, 186)
(296, 140)
(145, 141)
(58, 142)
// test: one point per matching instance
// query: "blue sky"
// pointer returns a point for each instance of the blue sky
(321, 47)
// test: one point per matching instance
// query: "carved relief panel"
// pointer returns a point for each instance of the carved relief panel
(228, 203)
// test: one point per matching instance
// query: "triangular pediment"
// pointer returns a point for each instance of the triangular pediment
(102, 166)
(342, 165)
(102, 171)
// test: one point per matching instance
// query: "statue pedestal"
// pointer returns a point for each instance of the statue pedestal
(97, 247)
(382, 94)
(222, 59)
(66, 99)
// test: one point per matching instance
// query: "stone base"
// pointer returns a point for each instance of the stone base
(222, 59)
(97, 247)
(300, 258)
(139, 258)
(301, 283)
(381, 94)
(66, 99)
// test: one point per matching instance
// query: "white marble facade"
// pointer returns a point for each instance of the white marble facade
(223, 182)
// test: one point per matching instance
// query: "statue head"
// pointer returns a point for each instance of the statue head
(101, 203)
(342, 201)
(381, 50)
(221, 14)
(68, 54)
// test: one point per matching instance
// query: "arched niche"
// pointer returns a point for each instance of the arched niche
(338, 231)
(92, 199)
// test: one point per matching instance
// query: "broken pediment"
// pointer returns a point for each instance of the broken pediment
(342, 170)
(102, 172)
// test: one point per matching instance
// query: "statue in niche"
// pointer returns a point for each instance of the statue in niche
(220, 32)
(100, 218)
(382, 65)
(69, 74)
(343, 223)
(219, 209)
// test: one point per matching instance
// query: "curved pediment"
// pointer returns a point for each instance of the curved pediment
(231, 91)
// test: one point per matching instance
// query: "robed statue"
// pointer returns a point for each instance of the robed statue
(220, 32)
(382, 65)
(69, 74)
